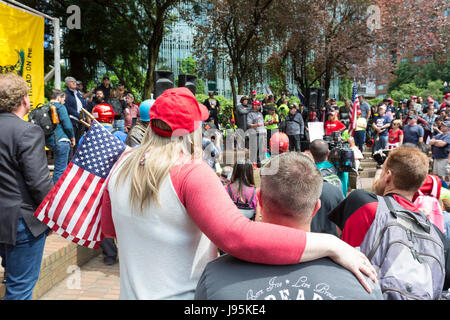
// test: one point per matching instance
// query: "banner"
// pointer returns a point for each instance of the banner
(316, 131)
(22, 48)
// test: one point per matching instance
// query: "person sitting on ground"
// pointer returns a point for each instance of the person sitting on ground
(167, 224)
(299, 186)
(320, 151)
(403, 173)
(242, 190)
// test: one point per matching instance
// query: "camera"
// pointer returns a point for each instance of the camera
(341, 155)
(380, 156)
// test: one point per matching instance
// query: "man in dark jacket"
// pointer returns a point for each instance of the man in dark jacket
(242, 111)
(105, 86)
(295, 129)
(74, 103)
(24, 183)
(213, 106)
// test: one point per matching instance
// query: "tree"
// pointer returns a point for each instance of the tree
(231, 33)
(123, 35)
(326, 38)
(147, 21)
(189, 65)
(413, 29)
(420, 74)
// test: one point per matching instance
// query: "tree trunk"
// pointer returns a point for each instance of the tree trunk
(149, 80)
(327, 83)
(77, 69)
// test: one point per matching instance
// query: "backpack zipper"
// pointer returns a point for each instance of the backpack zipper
(418, 253)
(383, 290)
(396, 224)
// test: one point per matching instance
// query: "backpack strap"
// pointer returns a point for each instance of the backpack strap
(229, 191)
(253, 195)
(425, 227)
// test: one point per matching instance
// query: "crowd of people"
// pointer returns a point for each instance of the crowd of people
(186, 228)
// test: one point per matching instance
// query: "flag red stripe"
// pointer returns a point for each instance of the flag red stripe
(52, 194)
(66, 193)
(77, 201)
(56, 189)
(88, 208)
(91, 225)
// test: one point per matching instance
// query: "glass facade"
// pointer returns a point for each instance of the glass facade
(177, 45)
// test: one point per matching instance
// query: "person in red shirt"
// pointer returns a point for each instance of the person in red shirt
(402, 174)
(395, 138)
(446, 103)
(333, 124)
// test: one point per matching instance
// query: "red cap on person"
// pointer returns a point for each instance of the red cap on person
(180, 110)
(253, 92)
(414, 97)
(280, 142)
(358, 112)
(256, 103)
(103, 112)
(447, 96)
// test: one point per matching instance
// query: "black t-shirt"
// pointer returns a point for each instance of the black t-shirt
(227, 278)
(330, 198)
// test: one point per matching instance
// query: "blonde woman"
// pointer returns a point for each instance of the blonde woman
(395, 137)
(170, 212)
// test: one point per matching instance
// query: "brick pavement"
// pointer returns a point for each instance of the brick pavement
(96, 281)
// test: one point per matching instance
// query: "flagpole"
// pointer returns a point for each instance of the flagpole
(90, 116)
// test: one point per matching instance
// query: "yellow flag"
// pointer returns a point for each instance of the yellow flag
(22, 48)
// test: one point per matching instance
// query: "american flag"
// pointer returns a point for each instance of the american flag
(353, 111)
(72, 207)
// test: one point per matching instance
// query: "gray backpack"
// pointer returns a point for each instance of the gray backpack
(407, 252)
(330, 176)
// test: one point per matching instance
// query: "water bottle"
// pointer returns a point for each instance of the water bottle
(54, 114)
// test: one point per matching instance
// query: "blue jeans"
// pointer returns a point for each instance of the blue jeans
(22, 263)
(119, 125)
(381, 143)
(360, 139)
(61, 152)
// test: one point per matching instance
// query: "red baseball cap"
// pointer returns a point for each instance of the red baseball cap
(447, 95)
(253, 92)
(414, 97)
(179, 109)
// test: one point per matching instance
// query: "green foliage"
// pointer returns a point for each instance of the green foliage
(201, 87)
(374, 102)
(434, 88)
(345, 89)
(294, 99)
(226, 107)
(420, 74)
(188, 66)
